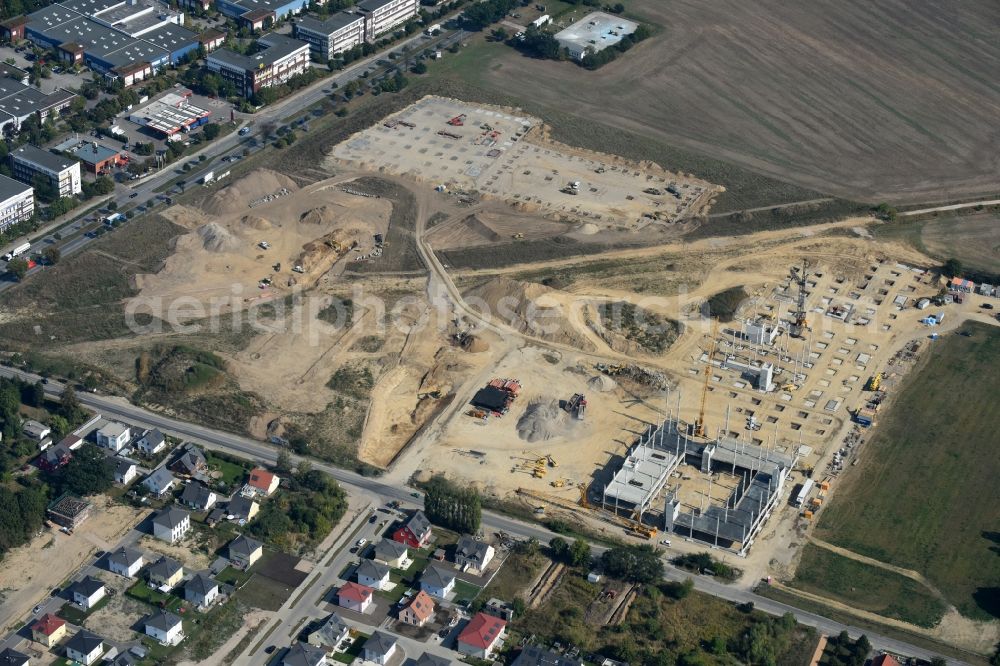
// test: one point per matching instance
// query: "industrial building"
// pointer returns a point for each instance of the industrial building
(123, 39)
(260, 14)
(170, 114)
(29, 161)
(17, 202)
(95, 157)
(759, 331)
(280, 59)
(340, 32)
(594, 32)
(761, 474)
(18, 102)
(381, 16)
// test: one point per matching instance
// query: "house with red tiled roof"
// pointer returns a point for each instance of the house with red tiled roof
(49, 630)
(885, 660)
(261, 484)
(354, 596)
(418, 611)
(482, 636)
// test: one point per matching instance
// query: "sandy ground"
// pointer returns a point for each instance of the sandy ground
(183, 552)
(505, 155)
(29, 573)
(251, 622)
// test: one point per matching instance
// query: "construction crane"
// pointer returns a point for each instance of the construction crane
(699, 425)
(799, 325)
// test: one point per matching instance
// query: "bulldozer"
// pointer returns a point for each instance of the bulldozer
(517, 236)
(558, 483)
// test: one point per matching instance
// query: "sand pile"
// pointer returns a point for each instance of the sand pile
(528, 307)
(216, 238)
(254, 222)
(323, 215)
(589, 229)
(255, 185)
(474, 344)
(541, 421)
(601, 384)
(185, 216)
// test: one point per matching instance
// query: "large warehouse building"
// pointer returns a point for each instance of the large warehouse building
(281, 59)
(17, 202)
(594, 32)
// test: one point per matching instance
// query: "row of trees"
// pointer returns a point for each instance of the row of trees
(456, 508)
(308, 509)
(483, 14)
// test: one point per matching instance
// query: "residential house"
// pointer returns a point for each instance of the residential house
(244, 551)
(191, 461)
(532, 655)
(165, 573)
(125, 561)
(114, 436)
(393, 554)
(171, 524)
(11, 657)
(72, 442)
(380, 648)
(165, 627)
(243, 508)
(499, 608)
(303, 654)
(885, 660)
(261, 483)
(428, 659)
(125, 470)
(87, 592)
(85, 647)
(437, 582)
(201, 590)
(54, 457)
(160, 481)
(416, 532)
(481, 636)
(151, 442)
(418, 611)
(123, 659)
(373, 574)
(49, 630)
(197, 496)
(35, 430)
(473, 555)
(355, 597)
(331, 633)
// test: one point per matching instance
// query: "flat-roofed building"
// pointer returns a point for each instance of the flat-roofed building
(17, 202)
(64, 174)
(381, 16)
(340, 32)
(280, 59)
(18, 102)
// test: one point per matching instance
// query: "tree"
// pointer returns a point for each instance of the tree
(284, 462)
(579, 553)
(88, 472)
(636, 564)
(952, 268)
(419, 68)
(33, 395)
(457, 508)
(52, 255)
(559, 548)
(17, 267)
(211, 131)
(60, 426)
(69, 405)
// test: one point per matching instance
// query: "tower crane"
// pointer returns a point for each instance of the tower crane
(699, 425)
(799, 325)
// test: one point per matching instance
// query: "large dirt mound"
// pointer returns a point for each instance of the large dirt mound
(543, 420)
(531, 308)
(216, 238)
(254, 185)
(601, 384)
(474, 344)
(323, 215)
(255, 222)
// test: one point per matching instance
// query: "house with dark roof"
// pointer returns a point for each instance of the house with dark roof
(303, 654)
(191, 461)
(473, 555)
(11, 657)
(125, 561)
(87, 592)
(482, 636)
(54, 457)
(201, 590)
(165, 627)
(243, 508)
(151, 442)
(166, 572)
(393, 554)
(428, 659)
(437, 582)
(244, 551)
(125, 470)
(532, 655)
(198, 496)
(354, 596)
(373, 574)
(331, 633)
(171, 524)
(381, 648)
(85, 647)
(415, 532)
(160, 481)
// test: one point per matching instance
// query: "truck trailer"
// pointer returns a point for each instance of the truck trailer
(20, 249)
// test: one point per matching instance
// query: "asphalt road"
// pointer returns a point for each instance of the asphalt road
(260, 452)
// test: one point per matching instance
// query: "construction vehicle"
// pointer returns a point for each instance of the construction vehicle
(552, 461)
(799, 325)
(434, 394)
(518, 236)
(558, 483)
(577, 405)
(449, 135)
(645, 531)
(569, 190)
(584, 502)
(874, 382)
(457, 121)
(699, 425)
(599, 170)
(790, 387)
(407, 124)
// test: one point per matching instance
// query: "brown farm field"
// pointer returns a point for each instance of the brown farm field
(892, 100)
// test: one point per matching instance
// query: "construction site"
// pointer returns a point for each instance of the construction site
(460, 148)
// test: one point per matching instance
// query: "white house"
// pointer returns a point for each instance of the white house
(85, 647)
(171, 524)
(472, 554)
(165, 627)
(125, 562)
(303, 654)
(197, 496)
(437, 582)
(87, 592)
(160, 481)
(114, 436)
(374, 575)
(380, 648)
(392, 553)
(201, 590)
(261, 483)
(482, 636)
(125, 470)
(331, 633)
(35, 430)
(151, 442)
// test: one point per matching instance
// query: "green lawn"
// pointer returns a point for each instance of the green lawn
(72, 613)
(925, 496)
(232, 474)
(867, 587)
(233, 576)
(517, 572)
(465, 591)
(353, 652)
(144, 592)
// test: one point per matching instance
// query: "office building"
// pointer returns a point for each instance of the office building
(340, 32)
(63, 173)
(280, 59)
(17, 202)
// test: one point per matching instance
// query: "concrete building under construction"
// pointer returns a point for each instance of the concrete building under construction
(760, 473)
